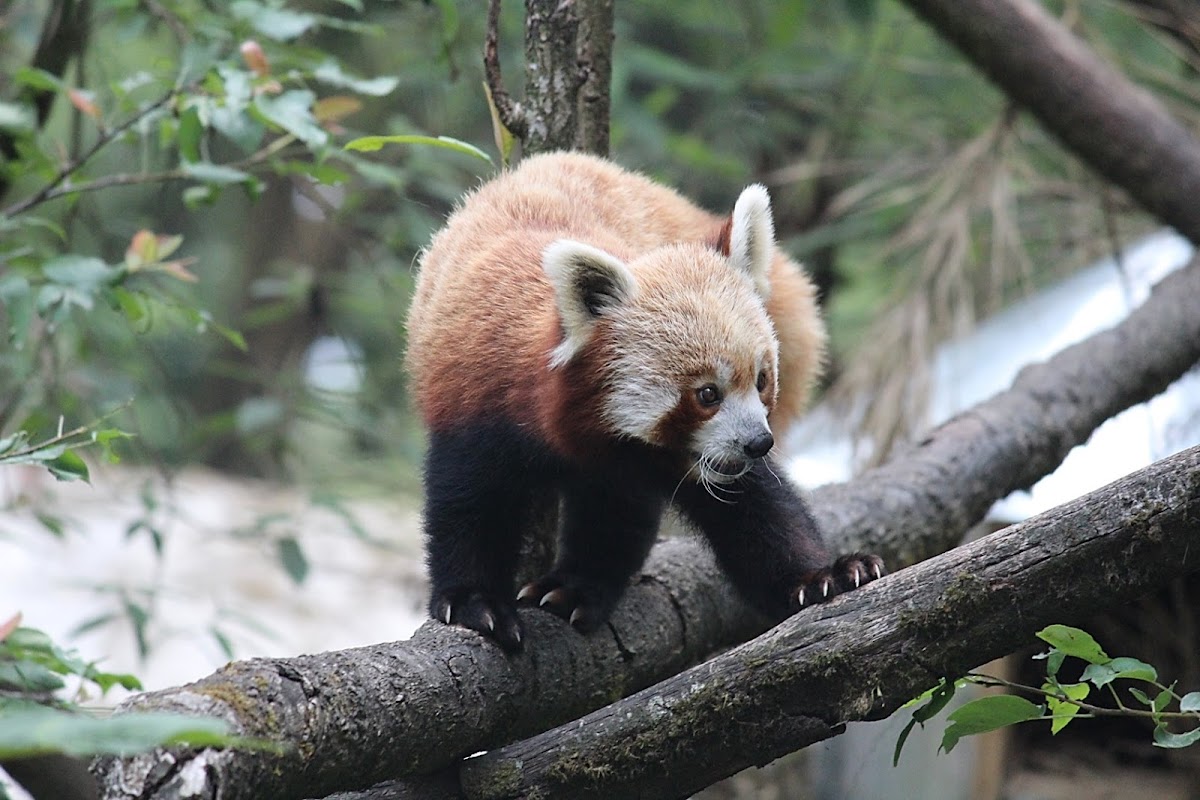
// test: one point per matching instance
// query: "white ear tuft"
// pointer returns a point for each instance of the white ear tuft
(588, 283)
(752, 236)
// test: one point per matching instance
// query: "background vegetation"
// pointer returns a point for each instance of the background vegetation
(900, 176)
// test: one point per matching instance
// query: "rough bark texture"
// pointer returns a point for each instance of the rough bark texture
(1119, 129)
(451, 694)
(552, 75)
(867, 652)
(568, 69)
(595, 60)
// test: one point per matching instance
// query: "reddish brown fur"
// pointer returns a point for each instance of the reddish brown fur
(483, 320)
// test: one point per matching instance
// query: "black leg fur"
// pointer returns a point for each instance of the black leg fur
(769, 545)
(479, 486)
(609, 523)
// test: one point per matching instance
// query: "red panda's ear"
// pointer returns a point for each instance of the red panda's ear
(751, 237)
(588, 283)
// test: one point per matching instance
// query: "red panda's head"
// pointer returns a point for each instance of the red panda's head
(690, 355)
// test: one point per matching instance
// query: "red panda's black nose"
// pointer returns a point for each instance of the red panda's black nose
(759, 446)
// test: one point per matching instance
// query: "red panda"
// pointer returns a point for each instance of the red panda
(579, 328)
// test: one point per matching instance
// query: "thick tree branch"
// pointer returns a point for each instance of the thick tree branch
(867, 652)
(1119, 129)
(451, 694)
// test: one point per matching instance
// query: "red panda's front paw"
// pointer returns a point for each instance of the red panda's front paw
(495, 618)
(847, 573)
(584, 603)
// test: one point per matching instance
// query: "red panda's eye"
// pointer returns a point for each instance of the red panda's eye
(708, 395)
(762, 380)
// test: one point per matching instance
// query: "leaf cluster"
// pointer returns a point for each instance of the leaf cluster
(1059, 702)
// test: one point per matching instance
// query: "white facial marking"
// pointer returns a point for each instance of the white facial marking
(635, 408)
(720, 441)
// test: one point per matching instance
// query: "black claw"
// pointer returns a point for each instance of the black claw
(846, 574)
(494, 618)
(583, 603)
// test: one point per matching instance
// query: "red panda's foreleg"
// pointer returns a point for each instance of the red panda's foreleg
(769, 545)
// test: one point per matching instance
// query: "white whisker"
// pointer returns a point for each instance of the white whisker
(684, 478)
(767, 464)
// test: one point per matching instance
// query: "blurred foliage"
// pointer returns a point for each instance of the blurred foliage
(41, 713)
(213, 135)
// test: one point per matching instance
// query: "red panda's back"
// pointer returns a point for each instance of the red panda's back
(482, 322)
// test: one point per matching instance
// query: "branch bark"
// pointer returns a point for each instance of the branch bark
(867, 652)
(1119, 129)
(452, 695)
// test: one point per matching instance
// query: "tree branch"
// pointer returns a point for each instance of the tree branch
(1118, 128)
(552, 74)
(867, 652)
(52, 190)
(511, 114)
(451, 694)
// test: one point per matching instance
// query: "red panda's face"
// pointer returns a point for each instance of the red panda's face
(692, 362)
(690, 355)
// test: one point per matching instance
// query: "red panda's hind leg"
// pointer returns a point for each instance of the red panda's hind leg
(479, 492)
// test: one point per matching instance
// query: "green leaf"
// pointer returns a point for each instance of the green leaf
(28, 676)
(292, 111)
(39, 79)
(1129, 668)
(1141, 696)
(83, 272)
(938, 696)
(1164, 738)
(30, 639)
(1074, 642)
(107, 680)
(191, 129)
(987, 714)
(1190, 702)
(69, 467)
(1061, 711)
(331, 72)
(291, 556)
(217, 174)
(368, 144)
(35, 730)
(280, 24)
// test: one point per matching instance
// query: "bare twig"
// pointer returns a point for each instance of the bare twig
(512, 114)
(57, 188)
(51, 190)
